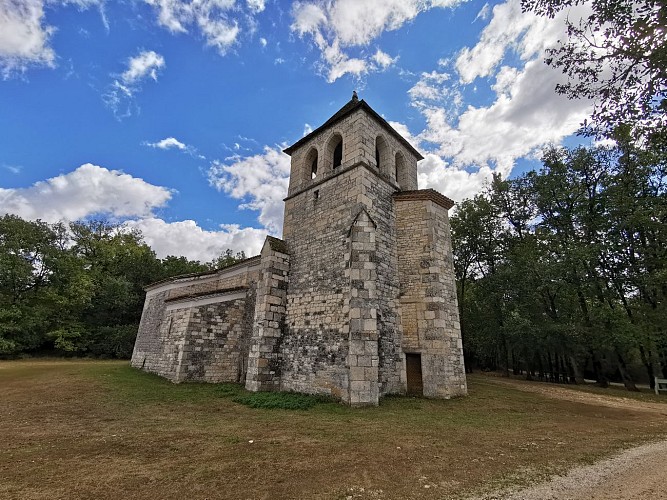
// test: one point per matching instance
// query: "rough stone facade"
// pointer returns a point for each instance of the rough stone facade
(356, 301)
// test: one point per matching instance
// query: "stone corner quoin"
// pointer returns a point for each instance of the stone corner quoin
(356, 301)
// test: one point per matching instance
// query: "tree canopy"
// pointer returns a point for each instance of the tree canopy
(563, 271)
(78, 288)
(617, 56)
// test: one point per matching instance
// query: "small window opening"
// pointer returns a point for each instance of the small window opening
(313, 168)
(377, 157)
(338, 154)
(316, 194)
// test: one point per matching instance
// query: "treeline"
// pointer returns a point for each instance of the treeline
(77, 289)
(562, 272)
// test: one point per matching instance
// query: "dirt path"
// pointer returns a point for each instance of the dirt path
(564, 393)
(636, 474)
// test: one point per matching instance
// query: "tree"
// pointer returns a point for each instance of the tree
(617, 57)
(175, 266)
(226, 259)
(43, 287)
(563, 270)
(119, 265)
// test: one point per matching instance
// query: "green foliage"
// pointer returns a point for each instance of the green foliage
(617, 58)
(563, 269)
(280, 400)
(176, 266)
(226, 259)
(77, 290)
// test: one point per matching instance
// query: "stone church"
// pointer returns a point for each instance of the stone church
(356, 301)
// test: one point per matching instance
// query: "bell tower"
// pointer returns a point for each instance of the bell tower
(371, 284)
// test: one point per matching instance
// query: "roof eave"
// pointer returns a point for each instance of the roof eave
(359, 104)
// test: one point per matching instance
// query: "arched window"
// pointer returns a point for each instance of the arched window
(382, 156)
(333, 152)
(399, 172)
(338, 154)
(311, 162)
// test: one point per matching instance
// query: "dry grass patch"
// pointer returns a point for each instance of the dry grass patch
(91, 429)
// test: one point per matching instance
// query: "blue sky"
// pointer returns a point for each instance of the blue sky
(170, 115)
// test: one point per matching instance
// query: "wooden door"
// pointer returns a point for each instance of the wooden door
(413, 368)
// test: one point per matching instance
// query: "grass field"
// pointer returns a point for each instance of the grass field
(94, 429)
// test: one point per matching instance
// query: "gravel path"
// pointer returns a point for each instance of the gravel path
(567, 394)
(636, 474)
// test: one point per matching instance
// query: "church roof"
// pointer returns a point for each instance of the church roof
(351, 106)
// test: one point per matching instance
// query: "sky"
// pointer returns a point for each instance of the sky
(170, 116)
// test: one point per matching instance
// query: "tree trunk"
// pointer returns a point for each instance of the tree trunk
(540, 365)
(551, 368)
(564, 370)
(578, 377)
(646, 361)
(627, 380)
(505, 355)
(601, 379)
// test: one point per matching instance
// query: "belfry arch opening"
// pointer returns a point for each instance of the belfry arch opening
(312, 163)
(382, 156)
(400, 170)
(335, 150)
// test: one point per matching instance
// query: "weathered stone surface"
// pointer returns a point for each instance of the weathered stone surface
(362, 275)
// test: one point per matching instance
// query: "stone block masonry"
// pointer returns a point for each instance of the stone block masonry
(197, 327)
(264, 357)
(356, 301)
(362, 359)
(428, 304)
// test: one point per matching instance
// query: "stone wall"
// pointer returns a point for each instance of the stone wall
(362, 302)
(428, 303)
(216, 339)
(314, 345)
(198, 327)
(317, 339)
(360, 133)
(264, 370)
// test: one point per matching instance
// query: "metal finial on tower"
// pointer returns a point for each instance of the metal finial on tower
(355, 97)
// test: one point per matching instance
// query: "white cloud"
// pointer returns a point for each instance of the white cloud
(263, 42)
(525, 115)
(456, 182)
(86, 191)
(510, 29)
(261, 180)
(119, 95)
(307, 129)
(24, 38)
(168, 143)
(146, 64)
(220, 22)
(14, 169)
(187, 238)
(91, 190)
(338, 25)
(434, 87)
(256, 5)
(383, 60)
(484, 13)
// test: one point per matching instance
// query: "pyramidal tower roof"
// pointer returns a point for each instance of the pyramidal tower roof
(351, 106)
